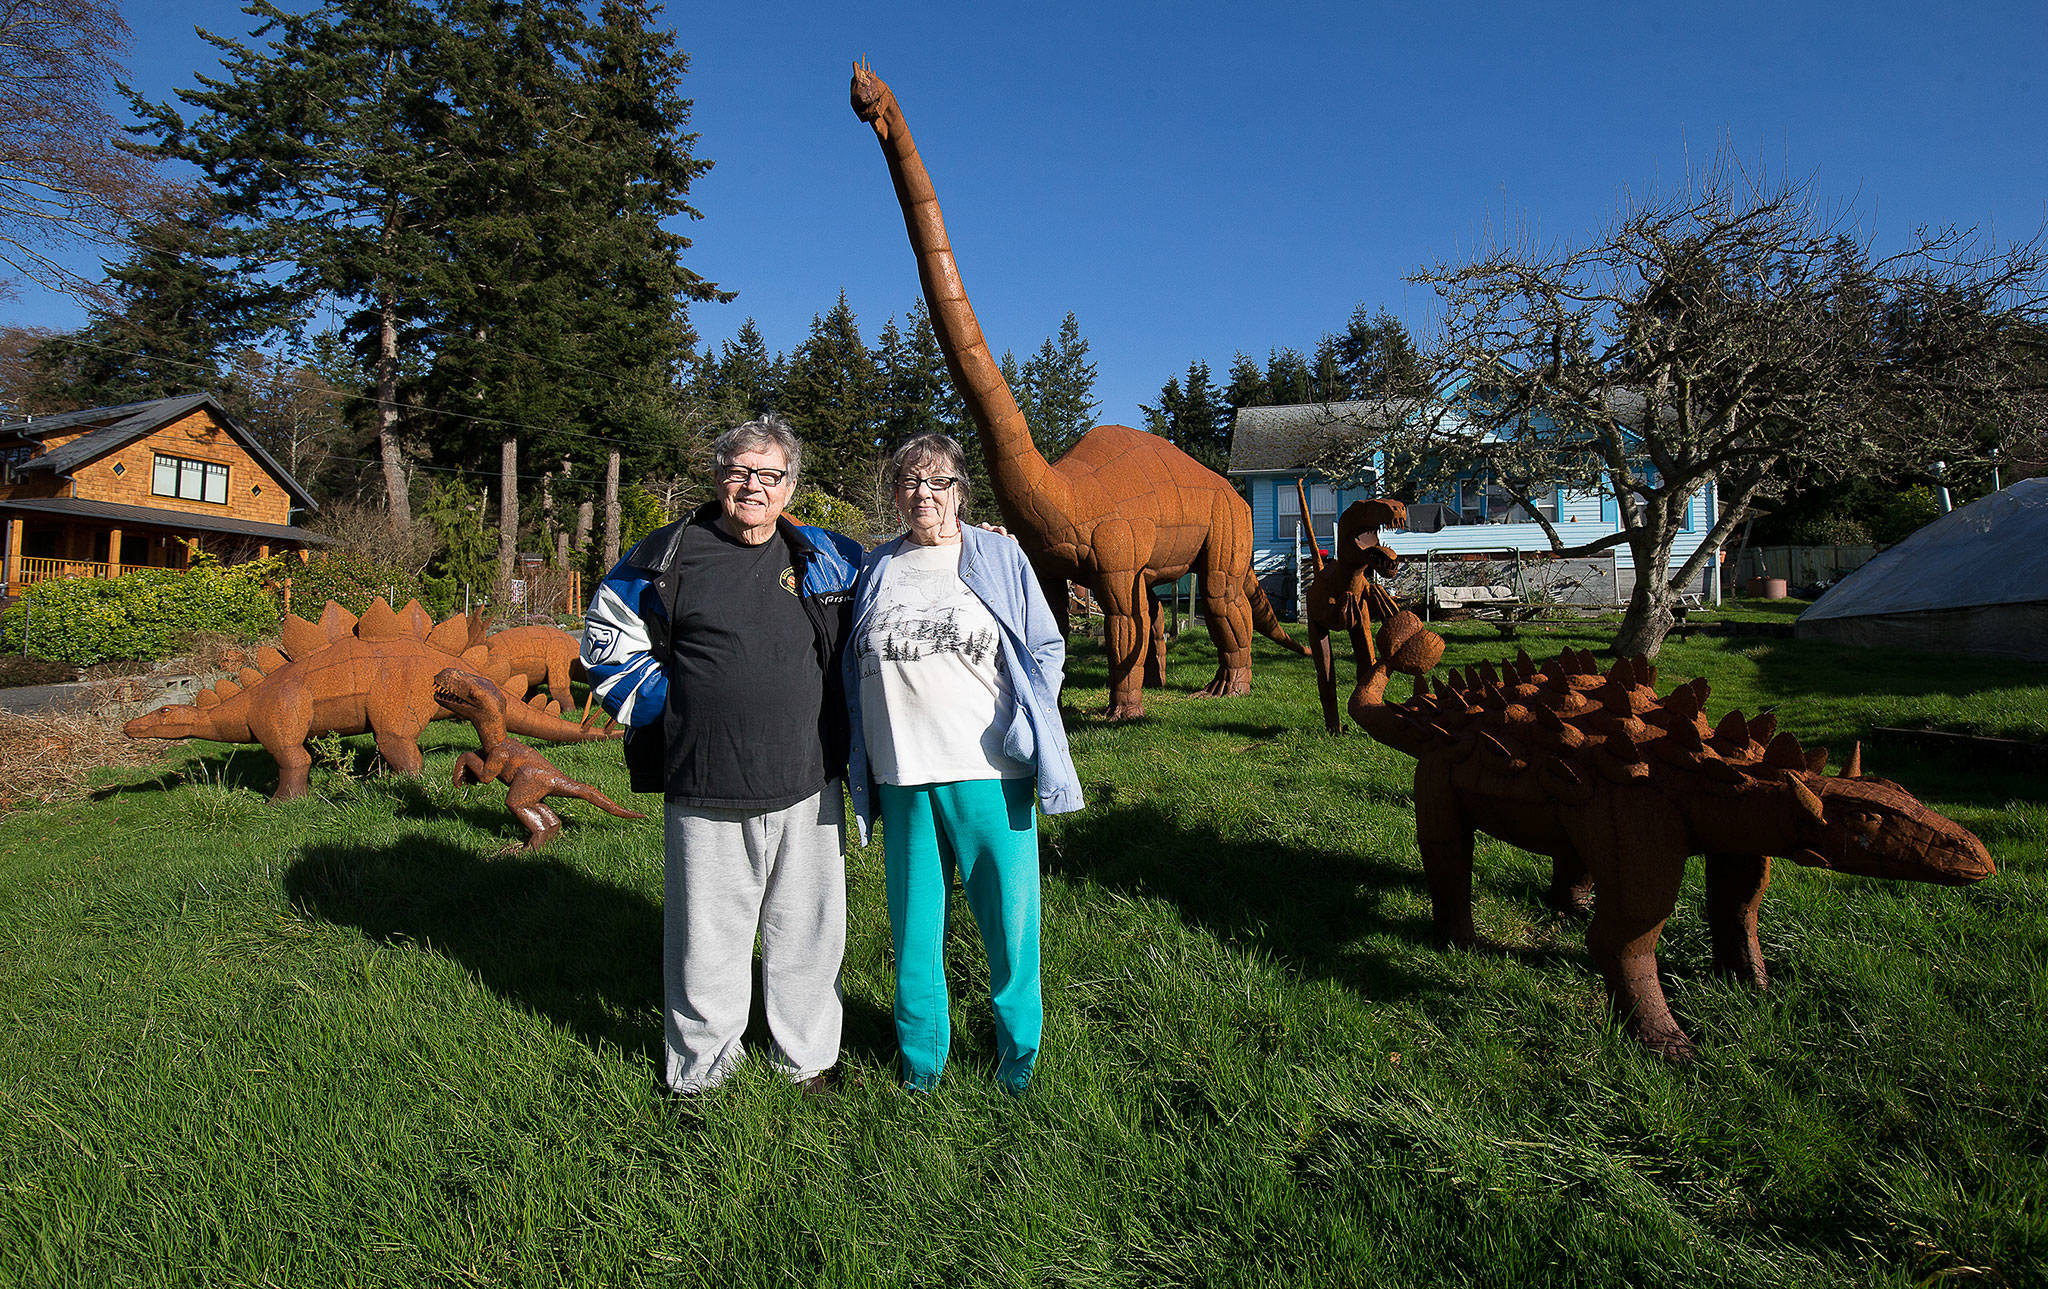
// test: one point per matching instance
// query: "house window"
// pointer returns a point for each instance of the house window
(12, 457)
(1322, 508)
(190, 480)
(1502, 508)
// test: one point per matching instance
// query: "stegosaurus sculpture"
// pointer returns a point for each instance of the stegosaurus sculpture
(350, 676)
(1619, 787)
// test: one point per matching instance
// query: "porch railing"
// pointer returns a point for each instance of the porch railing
(37, 568)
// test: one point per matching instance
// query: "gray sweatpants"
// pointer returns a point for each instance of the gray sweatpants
(730, 874)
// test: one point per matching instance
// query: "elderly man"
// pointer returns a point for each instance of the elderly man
(716, 642)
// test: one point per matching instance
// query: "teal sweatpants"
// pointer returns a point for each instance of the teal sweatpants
(986, 831)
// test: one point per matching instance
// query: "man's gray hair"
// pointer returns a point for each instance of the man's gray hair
(754, 436)
(926, 450)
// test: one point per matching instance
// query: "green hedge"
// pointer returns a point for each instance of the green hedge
(144, 615)
(353, 580)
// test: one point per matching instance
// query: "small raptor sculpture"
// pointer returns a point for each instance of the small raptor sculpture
(529, 777)
(1619, 787)
(1343, 597)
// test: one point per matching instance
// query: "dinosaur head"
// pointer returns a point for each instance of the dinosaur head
(474, 699)
(872, 100)
(1875, 828)
(177, 720)
(1358, 535)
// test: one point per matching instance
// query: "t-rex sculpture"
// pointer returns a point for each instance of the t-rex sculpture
(1619, 787)
(1343, 597)
(348, 676)
(1120, 511)
(529, 777)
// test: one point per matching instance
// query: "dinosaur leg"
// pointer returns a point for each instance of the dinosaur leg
(1622, 940)
(1735, 886)
(1155, 655)
(1054, 586)
(470, 769)
(282, 729)
(401, 750)
(542, 824)
(1444, 837)
(1124, 635)
(1326, 678)
(1571, 885)
(1230, 626)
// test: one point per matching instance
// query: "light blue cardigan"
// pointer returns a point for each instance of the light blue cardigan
(1034, 660)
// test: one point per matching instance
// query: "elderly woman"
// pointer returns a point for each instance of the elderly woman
(953, 678)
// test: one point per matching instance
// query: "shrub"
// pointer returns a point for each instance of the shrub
(351, 580)
(820, 509)
(141, 616)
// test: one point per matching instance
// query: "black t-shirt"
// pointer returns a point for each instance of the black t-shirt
(745, 683)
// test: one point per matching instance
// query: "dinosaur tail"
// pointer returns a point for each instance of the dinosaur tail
(1404, 645)
(1264, 620)
(520, 718)
(584, 792)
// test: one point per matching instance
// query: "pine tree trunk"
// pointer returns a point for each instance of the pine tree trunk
(611, 511)
(397, 499)
(586, 517)
(508, 511)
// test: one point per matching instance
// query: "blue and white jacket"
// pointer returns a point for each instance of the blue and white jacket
(625, 635)
(1034, 657)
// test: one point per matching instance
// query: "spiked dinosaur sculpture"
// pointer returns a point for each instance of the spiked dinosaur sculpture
(349, 676)
(529, 778)
(1619, 787)
(1343, 597)
(1121, 511)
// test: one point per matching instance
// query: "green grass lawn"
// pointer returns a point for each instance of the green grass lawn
(351, 1039)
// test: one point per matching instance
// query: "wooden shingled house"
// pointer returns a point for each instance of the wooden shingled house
(106, 490)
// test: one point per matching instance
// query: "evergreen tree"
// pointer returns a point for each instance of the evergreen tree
(1288, 378)
(329, 150)
(742, 382)
(173, 319)
(832, 395)
(1193, 418)
(1247, 387)
(1062, 383)
(1379, 357)
(1327, 376)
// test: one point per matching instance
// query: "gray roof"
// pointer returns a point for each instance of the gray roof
(147, 517)
(1992, 551)
(118, 426)
(1293, 436)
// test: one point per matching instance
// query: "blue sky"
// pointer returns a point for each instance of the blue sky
(1199, 178)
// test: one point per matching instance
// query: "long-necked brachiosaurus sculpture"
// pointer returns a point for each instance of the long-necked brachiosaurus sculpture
(1122, 510)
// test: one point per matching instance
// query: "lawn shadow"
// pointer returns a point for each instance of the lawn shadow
(1311, 909)
(536, 930)
(243, 767)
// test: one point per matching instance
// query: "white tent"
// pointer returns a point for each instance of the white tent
(1973, 581)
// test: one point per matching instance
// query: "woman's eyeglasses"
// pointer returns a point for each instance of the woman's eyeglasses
(937, 483)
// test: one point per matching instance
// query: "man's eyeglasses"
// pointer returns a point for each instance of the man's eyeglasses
(740, 474)
(937, 483)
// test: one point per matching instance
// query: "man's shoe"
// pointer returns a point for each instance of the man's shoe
(821, 1084)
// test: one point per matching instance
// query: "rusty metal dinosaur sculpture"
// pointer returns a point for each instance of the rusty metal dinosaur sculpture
(1620, 787)
(349, 676)
(1121, 511)
(1343, 596)
(529, 777)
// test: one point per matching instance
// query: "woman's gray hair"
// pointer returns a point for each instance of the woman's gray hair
(769, 430)
(919, 452)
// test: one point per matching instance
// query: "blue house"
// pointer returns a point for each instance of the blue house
(1274, 447)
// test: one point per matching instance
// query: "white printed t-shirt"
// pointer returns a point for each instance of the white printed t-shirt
(933, 698)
